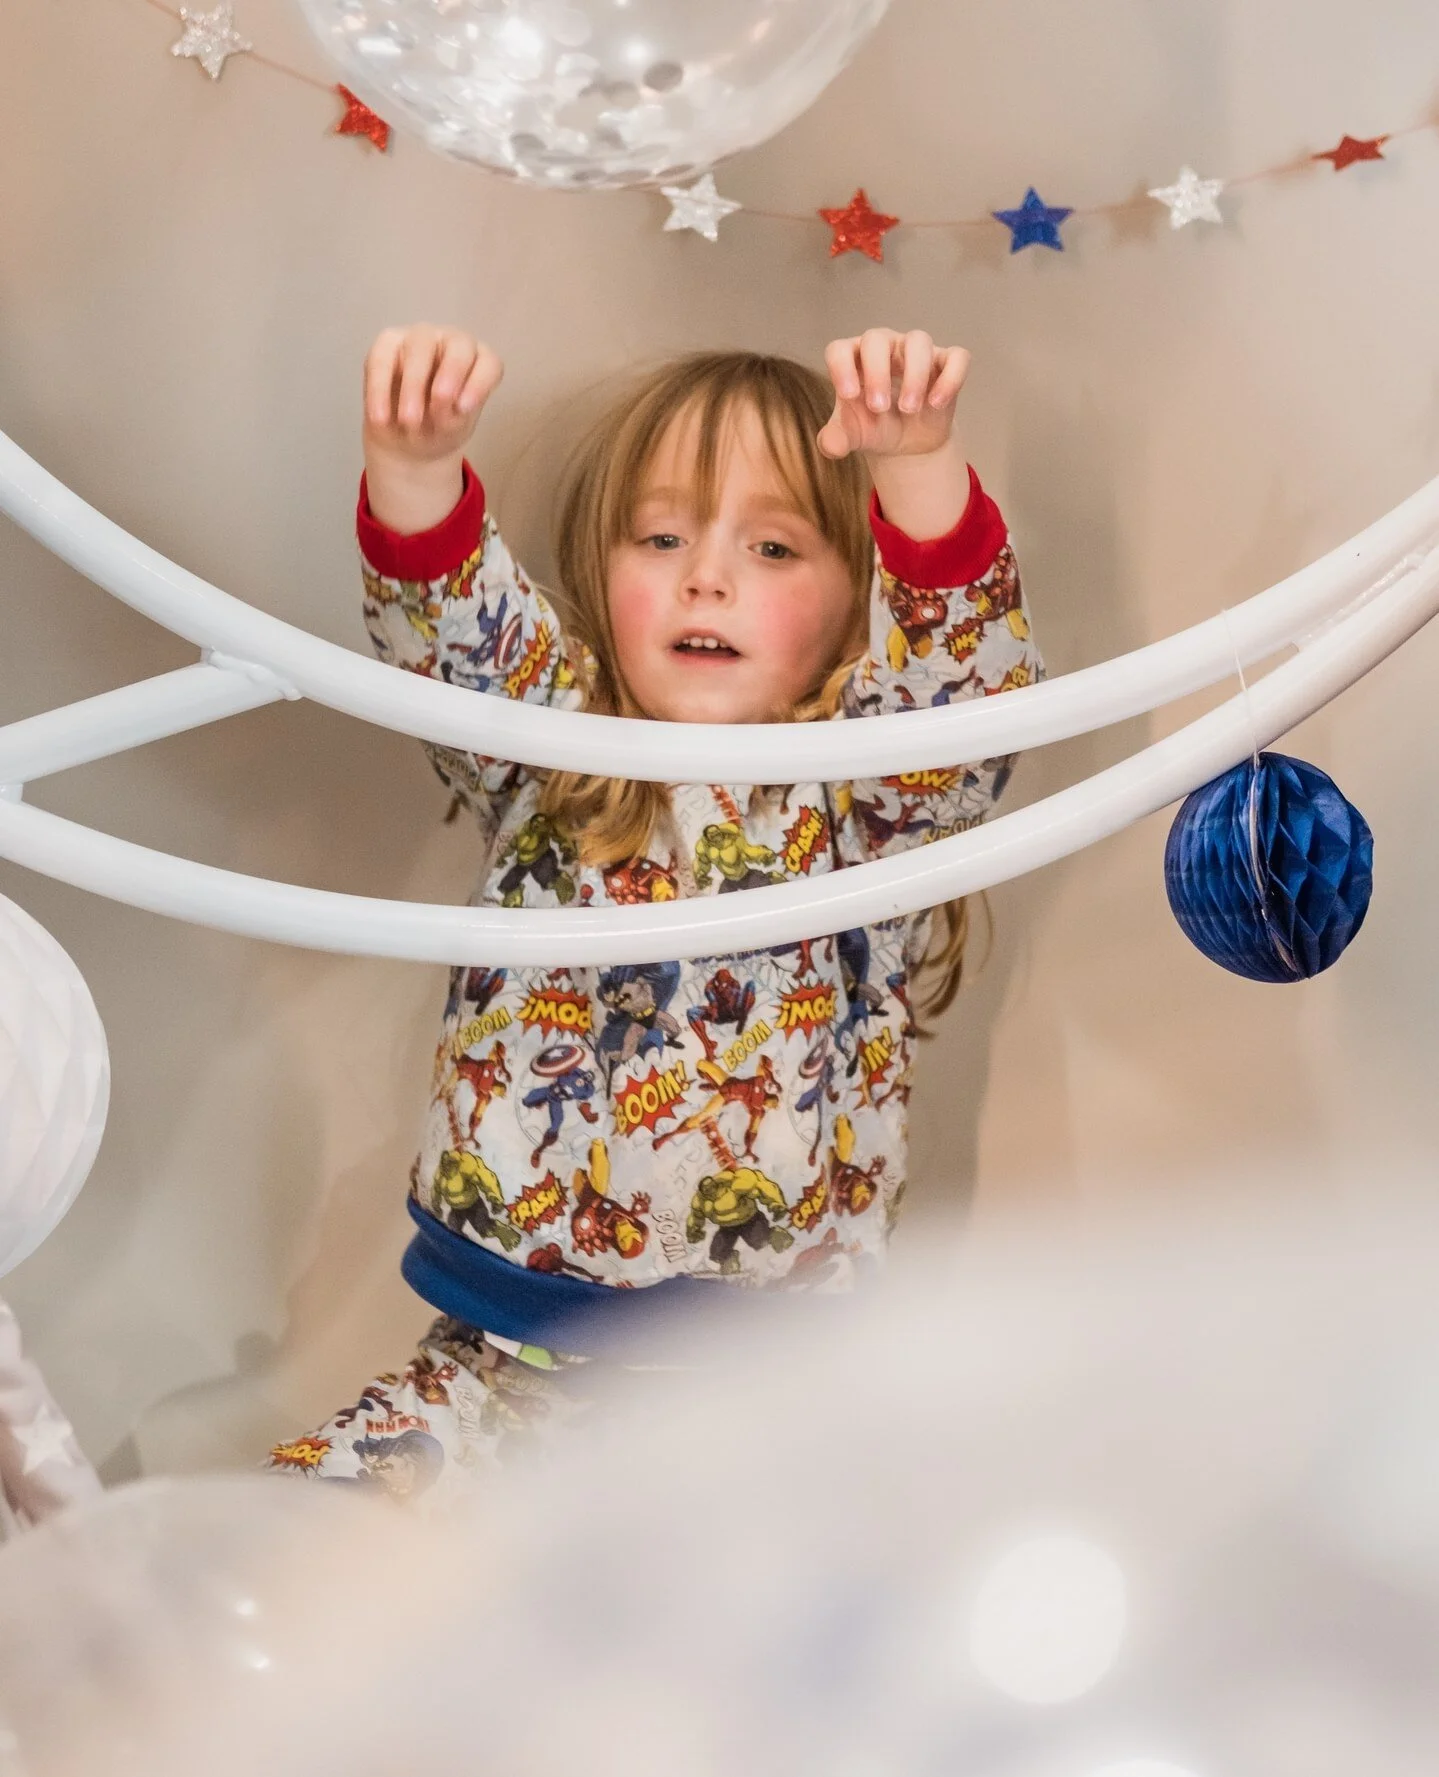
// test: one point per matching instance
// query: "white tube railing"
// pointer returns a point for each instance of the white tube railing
(707, 926)
(115, 721)
(686, 753)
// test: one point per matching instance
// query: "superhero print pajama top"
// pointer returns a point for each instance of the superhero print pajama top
(739, 1118)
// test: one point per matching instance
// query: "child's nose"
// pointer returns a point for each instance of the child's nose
(709, 574)
(706, 589)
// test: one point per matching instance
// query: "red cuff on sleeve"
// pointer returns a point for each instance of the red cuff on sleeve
(427, 555)
(960, 558)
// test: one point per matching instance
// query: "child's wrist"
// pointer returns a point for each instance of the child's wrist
(407, 495)
(925, 495)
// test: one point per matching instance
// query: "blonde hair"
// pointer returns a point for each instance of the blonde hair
(614, 819)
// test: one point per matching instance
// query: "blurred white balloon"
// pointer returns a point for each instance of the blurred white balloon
(225, 1625)
(1144, 1767)
(1147, 1467)
(592, 93)
(1048, 1621)
(1047, 1508)
(54, 1083)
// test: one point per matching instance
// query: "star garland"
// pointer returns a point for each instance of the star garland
(1352, 149)
(858, 228)
(359, 120)
(1034, 224)
(1190, 199)
(211, 38)
(698, 206)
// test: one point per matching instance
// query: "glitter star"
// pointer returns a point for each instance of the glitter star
(359, 120)
(857, 228)
(698, 206)
(1191, 199)
(45, 1440)
(210, 37)
(1354, 148)
(1034, 224)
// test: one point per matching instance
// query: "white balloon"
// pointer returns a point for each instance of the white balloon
(54, 1083)
(1051, 1508)
(1048, 1621)
(592, 93)
(767, 1562)
(1144, 1767)
(220, 1624)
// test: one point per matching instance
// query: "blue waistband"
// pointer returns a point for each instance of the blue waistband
(465, 1280)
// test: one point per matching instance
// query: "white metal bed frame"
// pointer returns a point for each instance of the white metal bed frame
(1342, 616)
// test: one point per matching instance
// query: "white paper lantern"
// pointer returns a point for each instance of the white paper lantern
(54, 1083)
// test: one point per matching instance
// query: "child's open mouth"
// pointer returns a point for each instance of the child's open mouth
(704, 647)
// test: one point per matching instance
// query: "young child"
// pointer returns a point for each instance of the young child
(604, 1144)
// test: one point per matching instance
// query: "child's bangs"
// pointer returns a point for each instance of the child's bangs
(789, 449)
(703, 402)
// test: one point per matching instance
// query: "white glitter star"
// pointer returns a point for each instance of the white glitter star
(698, 206)
(210, 37)
(45, 1440)
(1192, 199)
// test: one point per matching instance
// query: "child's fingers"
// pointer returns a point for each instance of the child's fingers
(953, 363)
(917, 355)
(417, 364)
(876, 357)
(456, 354)
(380, 377)
(482, 381)
(841, 357)
(833, 437)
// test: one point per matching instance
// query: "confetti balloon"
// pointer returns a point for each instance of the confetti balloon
(592, 93)
(54, 1083)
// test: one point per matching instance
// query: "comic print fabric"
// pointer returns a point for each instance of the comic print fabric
(741, 1117)
(465, 1403)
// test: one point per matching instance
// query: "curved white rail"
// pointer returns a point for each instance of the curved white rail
(686, 753)
(115, 721)
(762, 918)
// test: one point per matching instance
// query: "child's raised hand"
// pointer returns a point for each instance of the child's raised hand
(894, 393)
(424, 388)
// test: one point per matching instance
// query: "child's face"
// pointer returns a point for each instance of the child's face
(739, 617)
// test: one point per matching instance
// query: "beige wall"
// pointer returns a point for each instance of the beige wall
(189, 276)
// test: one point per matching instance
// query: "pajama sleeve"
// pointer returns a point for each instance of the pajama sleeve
(947, 621)
(454, 604)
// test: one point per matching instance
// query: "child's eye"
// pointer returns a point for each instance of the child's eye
(664, 540)
(775, 551)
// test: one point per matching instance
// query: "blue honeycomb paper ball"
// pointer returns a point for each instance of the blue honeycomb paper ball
(1269, 869)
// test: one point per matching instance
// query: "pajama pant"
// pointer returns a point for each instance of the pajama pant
(466, 1402)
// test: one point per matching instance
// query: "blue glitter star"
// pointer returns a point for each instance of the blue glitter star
(1034, 224)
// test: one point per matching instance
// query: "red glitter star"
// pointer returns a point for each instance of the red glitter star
(857, 228)
(1354, 148)
(359, 120)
